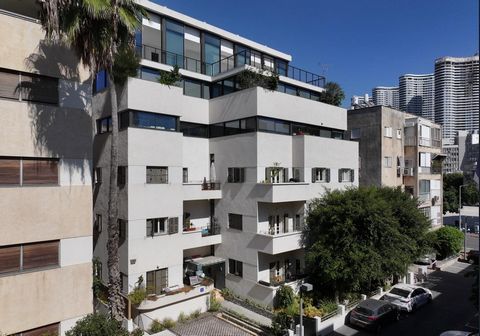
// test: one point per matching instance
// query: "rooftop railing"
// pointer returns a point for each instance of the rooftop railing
(223, 65)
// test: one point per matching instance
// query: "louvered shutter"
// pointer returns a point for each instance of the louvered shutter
(230, 175)
(285, 175)
(242, 174)
(39, 89)
(328, 174)
(352, 175)
(9, 85)
(149, 228)
(314, 173)
(340, 175)
(173, 225)
(268, 174)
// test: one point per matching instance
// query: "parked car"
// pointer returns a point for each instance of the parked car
(472, 256)
(407, 297)
(373, 314)
(428, 259)
(458, 333)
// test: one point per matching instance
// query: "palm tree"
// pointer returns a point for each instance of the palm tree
(333, 94)
(101, 32)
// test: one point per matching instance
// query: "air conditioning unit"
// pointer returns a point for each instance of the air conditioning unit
(408, 171)
(435, 200)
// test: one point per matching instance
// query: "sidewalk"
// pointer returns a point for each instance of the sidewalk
(262, 320)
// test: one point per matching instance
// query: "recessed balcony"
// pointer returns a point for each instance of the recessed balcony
(277, 243)
(198, 190)
(282, 192)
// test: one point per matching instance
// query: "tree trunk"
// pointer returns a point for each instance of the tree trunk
(116, 303)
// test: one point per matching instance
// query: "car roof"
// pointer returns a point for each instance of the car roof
(372, 304)
(405, 287)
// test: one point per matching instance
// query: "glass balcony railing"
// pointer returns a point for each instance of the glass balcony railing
(234, 61)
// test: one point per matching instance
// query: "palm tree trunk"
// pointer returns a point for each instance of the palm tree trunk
(116, 303)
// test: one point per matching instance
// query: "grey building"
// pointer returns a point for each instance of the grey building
(386, 96)
(416, 95)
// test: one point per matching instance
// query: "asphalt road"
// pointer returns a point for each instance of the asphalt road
(472, 241)
(450, 309)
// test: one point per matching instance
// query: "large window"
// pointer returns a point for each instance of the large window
(236, 175)
(157, 175)
(157, 281)
(148, 74)
(273, 125)
(28, 87)
(320, 175)
(235, 221)
(153, 120)
(157, 226)
(174, 43)
(424, 186)
(193, 129)
(212, 55)
(276, 175)
(235, 267)
(192, 50)
(24, 257)
(26, 171)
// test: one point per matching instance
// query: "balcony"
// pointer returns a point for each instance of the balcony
(288, 280)
(425, 142)
(282, 192)
(197, 190)
(202, 236)
(235, 61)
(277, 243)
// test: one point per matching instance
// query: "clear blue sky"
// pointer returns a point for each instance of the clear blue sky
(361, 43)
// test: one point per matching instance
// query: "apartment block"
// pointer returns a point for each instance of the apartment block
(214, 177)
(461, 153)
(386, 96)
(417, 95)
(45, 179)
(397, 149)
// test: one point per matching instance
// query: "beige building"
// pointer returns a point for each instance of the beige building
(400, 149)
(45, 180)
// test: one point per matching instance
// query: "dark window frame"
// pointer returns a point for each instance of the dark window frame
(235, 221)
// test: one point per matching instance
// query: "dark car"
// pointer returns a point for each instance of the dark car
(472, 256)
(373, 314)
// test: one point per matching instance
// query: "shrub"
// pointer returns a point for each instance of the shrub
(328, 306)
(170, 77)
(156, 326)
(182, 317)
(97, 325)
(284, 297)
(227, 294)
(137, 295)
(195, 314)
(168, 323)
(137, 332)
(447, 241)
(283, 319)
(214, 304)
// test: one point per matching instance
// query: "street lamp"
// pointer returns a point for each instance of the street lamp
(460, 220)
(306, 287)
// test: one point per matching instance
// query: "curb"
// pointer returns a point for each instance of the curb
(447, 263)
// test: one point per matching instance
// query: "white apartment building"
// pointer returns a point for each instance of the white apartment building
(416, 95)
(456, 94)
(361, 101)
(214, 180)
(45, 179)
(386, 96)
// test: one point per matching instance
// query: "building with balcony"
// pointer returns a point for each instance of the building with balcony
(461, 153)
(416, 95)
(386, 96)
(214, 176)
(45, 179)
(400, 150)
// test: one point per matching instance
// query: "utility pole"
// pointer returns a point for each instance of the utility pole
(460, 221)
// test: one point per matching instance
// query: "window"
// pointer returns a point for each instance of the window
(29, 256)
(236, 175)
(355, 133)
(426, 212)
(193, 129)
(425, 159)
(235, 221)
(211, 48)
(98, 175)
(28, 87)
(276, 174)
(51, 329)
(345, 175)
(148, 74)
(98, 223)
(97, 269)
(157, 175)
(185, 175)
(192, 88)
(101, 81)
(104, 125)
(156, 226)
(121, 176)
(235, 267)
(424, 186)
(387, 132)
(399, 133)
(274, 126)
(157, 281)
(387, 161)
(122, 230)
(320, 175)
(19, 171)
(174, 38)
(153, 120)
(173, 225)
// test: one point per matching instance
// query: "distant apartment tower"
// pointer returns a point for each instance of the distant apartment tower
(461, 153)
(45, 183)
(456, 94)
(386, 96)
(397, 149)
(416, 95)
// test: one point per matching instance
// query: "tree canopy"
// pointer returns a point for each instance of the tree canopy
(333, 94)
(451, 184)
(358, 237)
(97, 325)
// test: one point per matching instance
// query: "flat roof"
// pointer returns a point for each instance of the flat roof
(162, 10)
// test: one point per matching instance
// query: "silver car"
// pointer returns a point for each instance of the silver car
(407, 297)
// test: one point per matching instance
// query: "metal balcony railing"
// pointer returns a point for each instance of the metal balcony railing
(225, 64)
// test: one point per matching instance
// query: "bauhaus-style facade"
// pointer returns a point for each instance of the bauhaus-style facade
(214, 177)
(45, 183)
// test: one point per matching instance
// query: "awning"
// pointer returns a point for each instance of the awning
(208, 261)
(439, 157)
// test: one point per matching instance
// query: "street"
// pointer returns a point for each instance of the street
(451, 308)
(472, 241)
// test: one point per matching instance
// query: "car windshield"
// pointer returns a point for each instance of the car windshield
(364, 311)
(400, 292)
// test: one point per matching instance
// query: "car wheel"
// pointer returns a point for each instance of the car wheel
(378, 329)
(471, 261)
(430, 299)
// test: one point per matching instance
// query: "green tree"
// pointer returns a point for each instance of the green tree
(451, 184)
(97, 325)
(333, 94)
(356, 238)
(284, 297)
(446, 241)
(101, 32)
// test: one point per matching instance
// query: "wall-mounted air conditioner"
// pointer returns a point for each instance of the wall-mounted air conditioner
(408, 171)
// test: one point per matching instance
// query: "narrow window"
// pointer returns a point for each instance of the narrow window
(235, 267)
(122, 176)
(185, 175)
(98, 223)
(235, 221)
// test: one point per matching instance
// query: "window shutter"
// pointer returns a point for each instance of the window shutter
(242, 174)
(352, 175)
(285, 175)
(328, 174)
(9, 85)
(39, 88)
(149, 228)
(230, 175)
(314, 173)
(340, 175)
(173, 225)
(268, 174)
